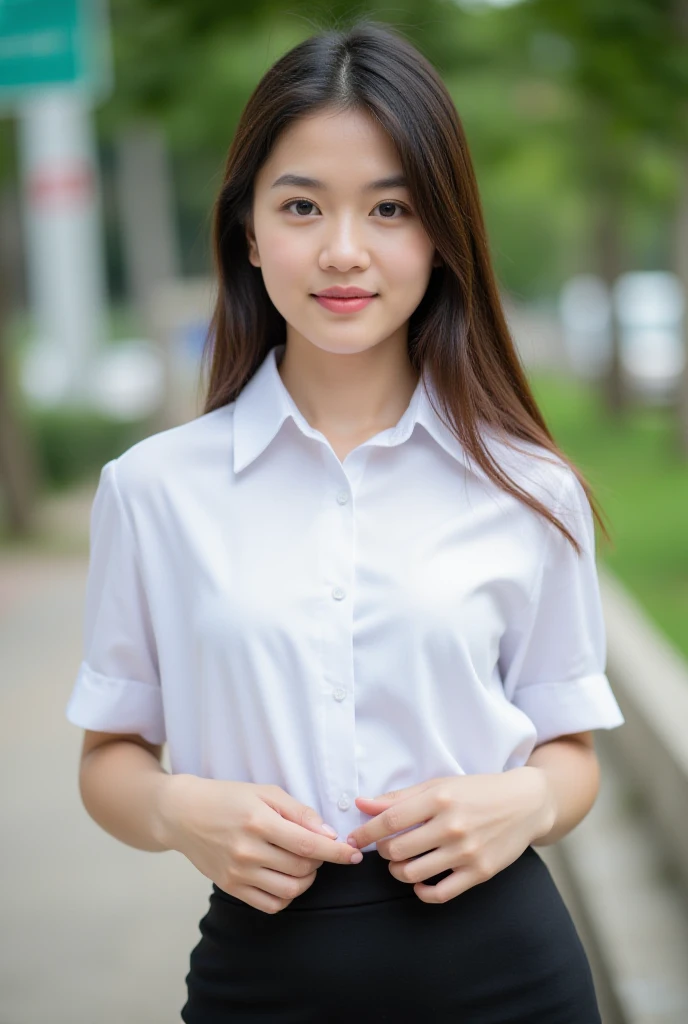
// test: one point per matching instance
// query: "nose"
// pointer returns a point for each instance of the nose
(344, 246)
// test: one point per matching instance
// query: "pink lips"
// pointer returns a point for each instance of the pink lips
(338, 305)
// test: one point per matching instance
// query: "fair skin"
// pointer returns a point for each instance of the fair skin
(476, 825)
(350, 374)
(351, 378)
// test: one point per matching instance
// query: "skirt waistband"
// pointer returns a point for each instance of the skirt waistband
(345, 885)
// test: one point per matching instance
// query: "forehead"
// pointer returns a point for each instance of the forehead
(338, 148)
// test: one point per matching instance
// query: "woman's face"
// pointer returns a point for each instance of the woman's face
(306, 238)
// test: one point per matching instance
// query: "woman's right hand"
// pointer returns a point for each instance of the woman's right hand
(256, 842)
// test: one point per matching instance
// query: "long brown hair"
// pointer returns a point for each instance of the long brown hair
(458, 332)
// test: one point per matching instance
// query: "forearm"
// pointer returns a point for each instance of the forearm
(572, 774)
(121, 785)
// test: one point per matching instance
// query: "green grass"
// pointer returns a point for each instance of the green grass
(641, 481)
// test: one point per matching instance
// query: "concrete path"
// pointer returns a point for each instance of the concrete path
(92, 931)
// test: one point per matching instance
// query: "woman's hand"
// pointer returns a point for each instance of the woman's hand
(255, 842)
(475, 825)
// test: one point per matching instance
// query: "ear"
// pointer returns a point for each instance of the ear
(437, 261)
(253, 255)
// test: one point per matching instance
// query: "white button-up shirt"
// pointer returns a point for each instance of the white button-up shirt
(337, 628)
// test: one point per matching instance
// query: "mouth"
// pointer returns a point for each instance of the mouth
(350, 304)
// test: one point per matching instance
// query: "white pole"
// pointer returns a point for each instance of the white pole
(61, 202)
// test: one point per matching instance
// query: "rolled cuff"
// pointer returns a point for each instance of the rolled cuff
(105, 704)
(578, 705)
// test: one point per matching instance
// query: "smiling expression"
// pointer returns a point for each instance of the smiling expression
(331, 208)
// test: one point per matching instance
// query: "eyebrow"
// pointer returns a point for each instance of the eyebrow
(300, 181)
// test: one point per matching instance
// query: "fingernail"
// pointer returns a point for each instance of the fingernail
(329, 830)
(357, 857)
(352, 842)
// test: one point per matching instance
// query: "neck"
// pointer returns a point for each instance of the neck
(349, 397)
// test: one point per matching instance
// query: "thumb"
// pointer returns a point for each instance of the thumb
(295, 811)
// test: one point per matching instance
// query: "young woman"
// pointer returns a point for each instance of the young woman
(357, 597)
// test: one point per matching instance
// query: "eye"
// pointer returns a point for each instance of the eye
(390, 202)
(307, 202)
(297, 202)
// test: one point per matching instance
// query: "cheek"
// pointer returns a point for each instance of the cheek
(407, 261)
(286, 266)
(285, 254)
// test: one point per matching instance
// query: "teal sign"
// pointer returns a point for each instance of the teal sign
(49, 43)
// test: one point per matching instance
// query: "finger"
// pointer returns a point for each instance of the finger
(263, 899)
(285, 886)
(395, 818)
(453, 885)
(288, 863)
(295, 811)
(377, 803)
(303, 843)
(401, 794)
(419, 869)
(416, 841)
(257, 898)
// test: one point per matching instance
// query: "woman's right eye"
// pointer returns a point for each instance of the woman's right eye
(298, 202)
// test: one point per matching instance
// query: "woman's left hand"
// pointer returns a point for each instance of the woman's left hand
(475, 825)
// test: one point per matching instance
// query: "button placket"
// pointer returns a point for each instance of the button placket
(337, 549)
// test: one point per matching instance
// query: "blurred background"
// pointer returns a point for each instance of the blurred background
(115, 120)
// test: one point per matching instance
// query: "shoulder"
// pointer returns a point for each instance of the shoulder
(180, 454)
(541, 473)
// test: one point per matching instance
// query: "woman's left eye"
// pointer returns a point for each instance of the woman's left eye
(390, 203)
(385, 203)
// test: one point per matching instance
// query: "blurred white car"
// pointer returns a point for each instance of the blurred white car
(649, 307)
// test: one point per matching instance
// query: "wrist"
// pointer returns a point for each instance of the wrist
(543, 801)
(167, 808)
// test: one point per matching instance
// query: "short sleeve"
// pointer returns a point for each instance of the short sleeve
(553, 660)
(117, 688)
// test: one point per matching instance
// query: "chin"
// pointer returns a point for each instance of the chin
(343, 348)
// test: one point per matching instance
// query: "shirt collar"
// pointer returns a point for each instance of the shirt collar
(264, 403)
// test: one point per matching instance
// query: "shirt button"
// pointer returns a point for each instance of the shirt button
(343, 803)
(338, 593)
(339, 693)
(342, 497)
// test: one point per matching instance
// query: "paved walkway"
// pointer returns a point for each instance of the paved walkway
(92, 931)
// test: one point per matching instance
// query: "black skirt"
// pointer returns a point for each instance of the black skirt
(360, 946)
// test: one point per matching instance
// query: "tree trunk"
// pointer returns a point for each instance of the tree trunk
(604, 176)
(17, 471)
(18, 474)
(609, 246)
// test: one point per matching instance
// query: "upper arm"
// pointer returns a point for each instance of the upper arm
(93, 739)
(118, 686)
(586, 738)
(552, 655)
